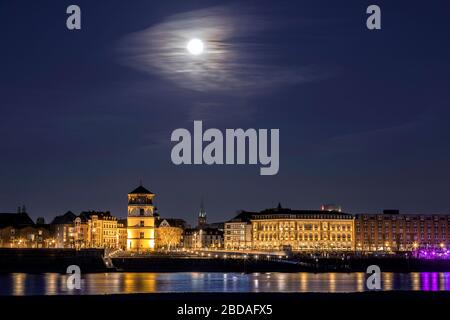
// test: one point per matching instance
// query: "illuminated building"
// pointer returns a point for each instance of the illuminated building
(204, 238)
(205, 235)
(17, 230)
(238, 232)
(392, 231)
(63, 230)
(331, 207)
(141, 220)
(95, 229)
(82, 234)
(296, 230)
(122, 234)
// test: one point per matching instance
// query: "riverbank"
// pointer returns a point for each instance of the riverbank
(92, 260)
(203, 264)
(50, 260)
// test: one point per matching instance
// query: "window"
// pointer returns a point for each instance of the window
(141, 212)
(141, 235)
(141, 223)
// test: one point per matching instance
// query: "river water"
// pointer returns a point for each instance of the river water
(127, 282)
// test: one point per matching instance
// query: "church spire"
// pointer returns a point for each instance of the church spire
(202, 215)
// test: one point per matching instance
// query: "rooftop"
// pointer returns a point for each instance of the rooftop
(141, 190)
(15, 220)
(286, 213)
(66, 218)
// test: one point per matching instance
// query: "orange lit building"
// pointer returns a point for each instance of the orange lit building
(141, 220)
(392, 231)
(285, 229)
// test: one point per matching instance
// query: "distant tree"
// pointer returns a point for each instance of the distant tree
(168, 237)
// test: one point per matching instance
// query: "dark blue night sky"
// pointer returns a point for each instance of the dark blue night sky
(363, 115)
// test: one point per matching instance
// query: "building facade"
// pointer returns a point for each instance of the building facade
(62, 228)
(286, 229)
(141, 220)
(205, 238)
(122, 234)
(392, 231)
(238, 232)
(17, 230)
(96, 229)
(301, 230)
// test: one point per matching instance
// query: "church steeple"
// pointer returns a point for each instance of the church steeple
(202, 215)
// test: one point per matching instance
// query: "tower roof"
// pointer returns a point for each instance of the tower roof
(141, 190)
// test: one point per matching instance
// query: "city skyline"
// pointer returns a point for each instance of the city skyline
(203, 212)
(362, 113)
(328, 229)
(191, 217)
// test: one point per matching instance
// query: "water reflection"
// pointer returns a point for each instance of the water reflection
(360, 282)
(115, 283)
(51, 283)
(19, 284)
(387, 281)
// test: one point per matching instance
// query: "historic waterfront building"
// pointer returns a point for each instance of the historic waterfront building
(392, 231)
(62, 228)
(141, 220)
(205, 235)
(17, 230)
(296, 230)
(122, 233)
(96, 229)
(204, 238)
(238, 232)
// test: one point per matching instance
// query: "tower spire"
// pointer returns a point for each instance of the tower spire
(202, 214)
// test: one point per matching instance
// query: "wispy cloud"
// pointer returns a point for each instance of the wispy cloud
(233, 59)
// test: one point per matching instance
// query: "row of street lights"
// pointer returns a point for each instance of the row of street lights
(236, 256)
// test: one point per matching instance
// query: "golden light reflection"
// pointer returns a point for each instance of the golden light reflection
(51, 283)
(415, 281)
(281, 282)
(387, 280)
(360, 281)
(139, 282)
(19, 284)
(332, 282)
(304, 282)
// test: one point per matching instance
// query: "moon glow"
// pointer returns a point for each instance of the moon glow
(195, 46)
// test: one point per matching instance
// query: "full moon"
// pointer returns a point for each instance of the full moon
(195, 46)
